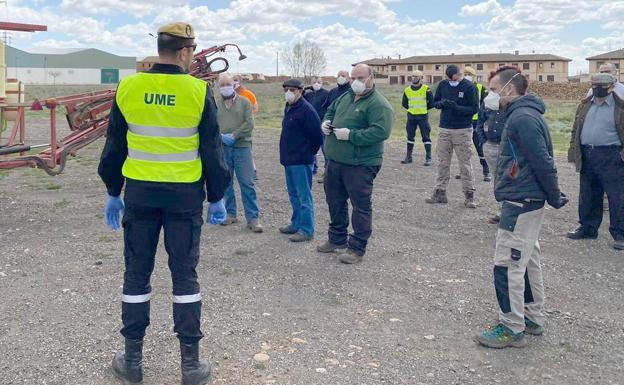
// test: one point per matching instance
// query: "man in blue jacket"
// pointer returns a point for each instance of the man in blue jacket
(526, 179)
(300, 140)
(458, 100)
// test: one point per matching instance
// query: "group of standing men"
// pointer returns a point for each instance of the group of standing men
(174, 144)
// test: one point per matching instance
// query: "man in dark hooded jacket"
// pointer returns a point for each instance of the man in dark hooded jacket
(526, 178)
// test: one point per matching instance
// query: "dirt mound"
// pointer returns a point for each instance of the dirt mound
(560, 91)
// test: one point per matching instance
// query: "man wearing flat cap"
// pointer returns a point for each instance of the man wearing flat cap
(300, 140)
(163, 142)
(596, 150)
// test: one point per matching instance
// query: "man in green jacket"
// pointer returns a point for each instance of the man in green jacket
(355, 127)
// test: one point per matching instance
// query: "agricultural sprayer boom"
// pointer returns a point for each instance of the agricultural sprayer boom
(87, 117)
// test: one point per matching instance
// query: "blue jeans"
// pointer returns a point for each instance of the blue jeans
(239, 161)
(299, 185)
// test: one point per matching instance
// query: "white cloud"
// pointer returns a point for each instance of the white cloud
(490, 7)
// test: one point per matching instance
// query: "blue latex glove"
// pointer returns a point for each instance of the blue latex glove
(114, 206)
(228, 139)
(216, 212)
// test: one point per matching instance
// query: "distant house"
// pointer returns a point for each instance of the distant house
(616, 57)
(77, 66)
(147, 63)
(538, 67)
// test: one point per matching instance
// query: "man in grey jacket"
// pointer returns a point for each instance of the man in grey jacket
(526, 179)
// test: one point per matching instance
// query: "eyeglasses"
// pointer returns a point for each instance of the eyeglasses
(194, 46)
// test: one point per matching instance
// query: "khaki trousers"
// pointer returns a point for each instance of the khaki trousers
(460, 141)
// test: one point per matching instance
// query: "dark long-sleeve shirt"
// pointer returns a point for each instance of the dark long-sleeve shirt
(334, 94)
(317, 100)
(160, 194)
(301, 135)
(405, 101)
(464, 104)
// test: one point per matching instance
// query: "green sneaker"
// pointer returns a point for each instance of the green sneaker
(532, 328)
(499, 337)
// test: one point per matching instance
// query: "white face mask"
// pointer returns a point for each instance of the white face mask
(226, 91)
(453, 83)
(492, 101)
(468, 77)
(340, 80)
(316, 86)
(289, 96)
(358, 86)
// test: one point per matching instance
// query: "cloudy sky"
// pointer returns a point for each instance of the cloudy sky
(348, 30)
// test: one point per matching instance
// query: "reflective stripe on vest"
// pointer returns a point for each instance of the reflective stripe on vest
(163, 112)
(417, 100)
(479, 92)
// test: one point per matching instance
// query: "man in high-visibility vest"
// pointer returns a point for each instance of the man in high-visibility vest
(163, 141)
(471, 75)
(417, 100)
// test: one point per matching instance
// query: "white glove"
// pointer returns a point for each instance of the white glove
(325, 127)
(342, 133)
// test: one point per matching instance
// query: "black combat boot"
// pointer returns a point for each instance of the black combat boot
(128, 366)
(428, 154)
(194, 371)
(486, 170)
(439, 196)
(408, 154)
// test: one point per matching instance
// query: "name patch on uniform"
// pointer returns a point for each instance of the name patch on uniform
(461, 94)
(160, 99)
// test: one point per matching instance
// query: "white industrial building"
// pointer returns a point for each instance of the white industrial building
(79, 66)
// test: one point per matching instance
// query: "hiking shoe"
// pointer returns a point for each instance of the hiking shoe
(229, 221)
(583, 233)
(255, 227)
(532, 328)
(351, 257)
(287, 230)
(428, 162)
(470, 202)
(499, 337)
(439, 196)
(618, 245)
(329, 247)
(487, 177)
(300, 237)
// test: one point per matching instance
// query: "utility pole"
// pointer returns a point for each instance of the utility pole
(277, 63)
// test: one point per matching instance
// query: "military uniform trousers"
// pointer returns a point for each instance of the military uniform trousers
(460, 141)
(182, 231)
(517, 269)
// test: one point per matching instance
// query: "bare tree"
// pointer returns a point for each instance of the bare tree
(305, 59)
(54, 75)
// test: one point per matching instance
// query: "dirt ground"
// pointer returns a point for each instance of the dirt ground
(406, 315)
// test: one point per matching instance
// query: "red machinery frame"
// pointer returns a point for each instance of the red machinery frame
(87, 115)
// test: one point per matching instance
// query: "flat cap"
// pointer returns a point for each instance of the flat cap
(294, 83)
(603, 79)
(179, 29)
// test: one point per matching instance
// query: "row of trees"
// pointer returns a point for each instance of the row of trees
(305, 59)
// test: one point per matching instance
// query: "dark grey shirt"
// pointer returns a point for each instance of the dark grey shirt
(599, 126)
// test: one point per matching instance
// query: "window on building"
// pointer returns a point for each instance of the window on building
(540, 78)
(526, 66)
(552, 65)
(438, 67)
(410, 68)
(468, 65)
(515, 65)
(437, 79)
(501, 64)
(392, 68)
(550, 78)
(480, 67)
(541, 65)
(421, 67)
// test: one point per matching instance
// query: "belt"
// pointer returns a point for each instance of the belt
(592, 147)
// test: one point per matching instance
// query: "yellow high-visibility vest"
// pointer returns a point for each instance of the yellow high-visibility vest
(479, 91)
(163, 112)
(417, 100)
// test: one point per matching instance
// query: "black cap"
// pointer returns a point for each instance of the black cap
(451, 70)
(294, 83)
